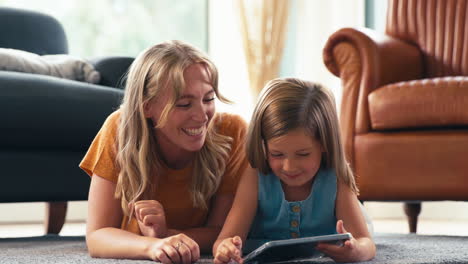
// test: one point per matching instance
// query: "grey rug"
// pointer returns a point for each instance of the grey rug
(391, 249)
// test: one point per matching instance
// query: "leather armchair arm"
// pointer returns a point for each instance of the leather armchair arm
(112, 69)
(364, 60)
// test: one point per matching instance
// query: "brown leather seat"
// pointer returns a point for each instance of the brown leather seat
(404, 111)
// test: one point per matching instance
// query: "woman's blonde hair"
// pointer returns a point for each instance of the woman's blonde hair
(156, 69)
(289, 103)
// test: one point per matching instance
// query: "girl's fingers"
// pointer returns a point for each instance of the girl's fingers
(233, 251)
(221, 258)
(226, 254)
(237, 241)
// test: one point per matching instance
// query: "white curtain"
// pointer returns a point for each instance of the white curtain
(263, 25)
(315, 21)
(310, 24)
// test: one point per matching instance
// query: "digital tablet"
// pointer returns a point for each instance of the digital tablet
(296, 248)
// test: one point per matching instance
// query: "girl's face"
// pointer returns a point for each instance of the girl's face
(186, 127)
(295, 157)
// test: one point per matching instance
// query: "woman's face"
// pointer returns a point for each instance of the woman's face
(186, 127)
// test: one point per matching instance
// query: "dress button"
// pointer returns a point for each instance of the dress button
(296, 208)
(294, 235)
(294, 223)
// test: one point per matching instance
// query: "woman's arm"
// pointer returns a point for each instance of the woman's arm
(350, 219)
(103, 225)
(105, 239)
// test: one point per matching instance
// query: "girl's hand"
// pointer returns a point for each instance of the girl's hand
(348, 252)
(151, 218)
(175, 249)
(229, 249)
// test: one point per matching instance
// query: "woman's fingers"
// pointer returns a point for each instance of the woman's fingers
(184, 252)
(153, 220)
(172, 253)
(147, 207)
(192, 246)
(162, 257)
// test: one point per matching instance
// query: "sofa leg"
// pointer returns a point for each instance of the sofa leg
(412, 211)
(55, 217)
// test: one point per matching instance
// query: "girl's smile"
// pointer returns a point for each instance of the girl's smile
(295, 158)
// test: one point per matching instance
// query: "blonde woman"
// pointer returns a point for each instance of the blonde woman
(303, 185)
(164, 166)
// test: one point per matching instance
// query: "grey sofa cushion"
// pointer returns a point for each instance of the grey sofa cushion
(31, 31)
(58, 65)
(38, 111)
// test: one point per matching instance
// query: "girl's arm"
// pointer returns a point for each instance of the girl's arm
(243, 210)
(350, 219)
(206, 236)
(105, 239)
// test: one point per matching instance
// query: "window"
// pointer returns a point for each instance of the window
(124, 27)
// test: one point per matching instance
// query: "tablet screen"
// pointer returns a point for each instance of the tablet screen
(289, 249)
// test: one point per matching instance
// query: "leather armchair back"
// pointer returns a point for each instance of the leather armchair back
(439, 28)
(31, 31)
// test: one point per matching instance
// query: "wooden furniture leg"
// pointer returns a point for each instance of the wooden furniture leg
(412, 211)
(55, 217)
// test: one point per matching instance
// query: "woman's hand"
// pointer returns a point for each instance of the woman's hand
(229, 249)
(175, 249)
(348, 252)
(151, 218)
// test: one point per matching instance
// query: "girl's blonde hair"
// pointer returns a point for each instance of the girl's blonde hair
(156, 69)
(287, 104)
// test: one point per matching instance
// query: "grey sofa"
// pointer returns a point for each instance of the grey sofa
(47, 123)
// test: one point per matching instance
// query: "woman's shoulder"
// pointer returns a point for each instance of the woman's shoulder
(230, 124)
(112, 121)
(113, 118)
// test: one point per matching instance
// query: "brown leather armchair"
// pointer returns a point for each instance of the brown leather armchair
(404, 110)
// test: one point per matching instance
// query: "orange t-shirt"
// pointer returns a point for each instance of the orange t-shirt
(173, 185)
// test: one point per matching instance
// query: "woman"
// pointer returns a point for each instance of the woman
(164, 166)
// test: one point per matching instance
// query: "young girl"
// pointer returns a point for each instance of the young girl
(164, 166)
(303, 186)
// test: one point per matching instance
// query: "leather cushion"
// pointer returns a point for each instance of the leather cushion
(412, 165)
(438, 102)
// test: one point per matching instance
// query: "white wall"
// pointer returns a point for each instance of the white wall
(77, 211)
(225, 49)
(35, 212)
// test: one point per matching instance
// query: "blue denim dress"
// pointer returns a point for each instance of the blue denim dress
(276, 218)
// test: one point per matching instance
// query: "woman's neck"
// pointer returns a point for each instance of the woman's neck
(178, 162)
(173, 156)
